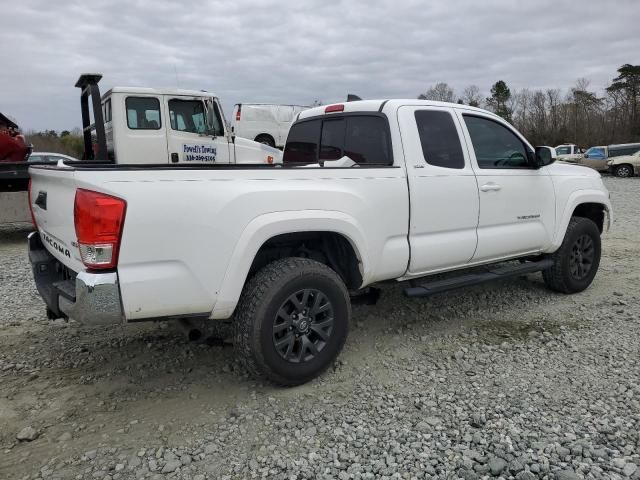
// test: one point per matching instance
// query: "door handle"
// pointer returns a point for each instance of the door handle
(490, 187)
(174, 158)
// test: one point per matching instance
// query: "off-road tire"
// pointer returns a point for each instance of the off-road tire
(623, 171)
(263, 297)
(559, 277)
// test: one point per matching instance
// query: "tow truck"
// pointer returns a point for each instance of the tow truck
(137, 125)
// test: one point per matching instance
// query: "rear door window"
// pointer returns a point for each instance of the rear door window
(143, 113)
(363, 138)
(439, 139)
(332, 141)
(367, 140)
(302, 143)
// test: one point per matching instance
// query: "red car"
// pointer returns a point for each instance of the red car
(13, 147)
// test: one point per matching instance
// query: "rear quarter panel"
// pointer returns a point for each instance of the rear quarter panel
(190, 237)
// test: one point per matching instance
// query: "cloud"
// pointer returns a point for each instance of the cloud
(298, 52)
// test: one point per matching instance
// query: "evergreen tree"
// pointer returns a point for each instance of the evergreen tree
(628, 81)
(500, 95)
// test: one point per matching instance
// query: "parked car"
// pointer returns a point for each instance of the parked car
(625, 165)
(569, 152)
(264, 123)
(597, 157)
(369, 191)
(50, 157)
(13, 147)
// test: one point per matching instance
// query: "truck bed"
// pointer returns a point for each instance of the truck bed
(191, 231)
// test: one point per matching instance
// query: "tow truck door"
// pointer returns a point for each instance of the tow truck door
(195, 130)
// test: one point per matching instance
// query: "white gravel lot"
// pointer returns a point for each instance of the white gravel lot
(507, 380)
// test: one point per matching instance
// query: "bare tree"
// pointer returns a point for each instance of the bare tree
(441, 92)
(521, 105)
(471, 96)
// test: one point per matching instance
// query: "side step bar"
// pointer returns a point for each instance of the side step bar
(439, 286)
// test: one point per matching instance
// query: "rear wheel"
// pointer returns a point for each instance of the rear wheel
(266, 139)
(292, 320)
(576, 261)
(624, 171)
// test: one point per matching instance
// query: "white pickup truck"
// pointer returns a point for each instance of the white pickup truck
(369, 191)
(569, 153)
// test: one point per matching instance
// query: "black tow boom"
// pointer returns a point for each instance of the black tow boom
(88, 85)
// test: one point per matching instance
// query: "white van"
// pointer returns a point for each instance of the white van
(263, 122)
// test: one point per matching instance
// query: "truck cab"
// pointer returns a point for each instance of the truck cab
(150, 125)
(569, 152)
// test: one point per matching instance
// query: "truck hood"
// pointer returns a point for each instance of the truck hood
(248, 151)
(571, 170)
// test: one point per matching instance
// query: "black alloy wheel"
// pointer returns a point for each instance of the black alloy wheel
(582, 256)
(303, 325)
(576, 262)
(292, 320)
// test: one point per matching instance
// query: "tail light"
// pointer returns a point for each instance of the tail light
(98, 219)
(238, 113)
(33, 218)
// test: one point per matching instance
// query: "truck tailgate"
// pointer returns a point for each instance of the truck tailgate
(52, 200)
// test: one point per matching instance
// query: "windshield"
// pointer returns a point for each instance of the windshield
(563, 150)
(596, 152)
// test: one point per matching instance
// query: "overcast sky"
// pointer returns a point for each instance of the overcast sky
(300, 51)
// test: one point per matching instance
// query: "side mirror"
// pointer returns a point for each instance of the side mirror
(545, 156)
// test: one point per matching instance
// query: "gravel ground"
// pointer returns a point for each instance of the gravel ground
(505, 380)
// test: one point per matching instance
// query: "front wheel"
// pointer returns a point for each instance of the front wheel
(292, 320)
(576, 261)
(624, 171)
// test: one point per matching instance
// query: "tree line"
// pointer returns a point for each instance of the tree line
(553, 116)
(67, 142)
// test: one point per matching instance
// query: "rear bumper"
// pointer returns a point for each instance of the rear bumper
(89, 298)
